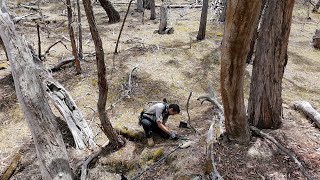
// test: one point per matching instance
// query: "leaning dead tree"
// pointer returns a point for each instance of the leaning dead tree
(51, 152)
(112, 13)
(72, 38)
(203, 20)
(239, 28)
(113, 137)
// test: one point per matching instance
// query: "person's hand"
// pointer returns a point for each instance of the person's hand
(173, 135)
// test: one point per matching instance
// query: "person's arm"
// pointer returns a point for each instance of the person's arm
(164, 128)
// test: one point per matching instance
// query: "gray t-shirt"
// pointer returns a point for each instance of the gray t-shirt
(157, 112)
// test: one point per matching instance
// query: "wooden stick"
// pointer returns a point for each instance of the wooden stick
(189, 121)
(57, 42)
(308, 110)
(284, 149)
(124, 20)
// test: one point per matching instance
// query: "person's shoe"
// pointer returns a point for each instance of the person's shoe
(150, 142)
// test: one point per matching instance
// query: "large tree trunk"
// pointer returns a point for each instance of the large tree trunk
(51, 152)
(203, 20)
(265, 102)
(152, 9)
(72, 38)
(110, 10)
(146, 4)
(102, 81)
(239, 28)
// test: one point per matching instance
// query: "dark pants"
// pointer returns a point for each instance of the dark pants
(152, 127)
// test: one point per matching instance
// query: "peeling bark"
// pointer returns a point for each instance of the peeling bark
(239, 28)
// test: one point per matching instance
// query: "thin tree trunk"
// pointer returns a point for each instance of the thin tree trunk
(203, 20)
(72, 38)
(124, 20)
(51, 152)
(102, 81)
(152, 9)
(316, 39)
(111, 12)
(140, 5)
(80, 53)
(39, 41)
(239, 28)
(265, 101)
(163, 19)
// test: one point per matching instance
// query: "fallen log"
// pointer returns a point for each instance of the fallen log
(12, 167)
(34, 8)
(284, 149)
(308, 110)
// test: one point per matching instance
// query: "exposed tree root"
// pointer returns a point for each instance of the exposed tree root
(284, 149)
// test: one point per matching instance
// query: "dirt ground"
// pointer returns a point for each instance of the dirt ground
(169, 66)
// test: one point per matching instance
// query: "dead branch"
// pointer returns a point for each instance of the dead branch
(34, 8)
(213, 134)
(84, 166)
(308, 110)
(189, 121)
(62, 63)
(17, 19)
(12, 167)
(284, 149)
(156, 163)
(49, 48)
(128, 90)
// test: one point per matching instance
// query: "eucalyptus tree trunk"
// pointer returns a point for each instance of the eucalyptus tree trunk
(203, 20)
(51, 152)
(222, 17)
(265, 101)
(239, 28)
(72, 38)
(112, 13)
(113, 137)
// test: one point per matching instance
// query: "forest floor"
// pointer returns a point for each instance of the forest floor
(169, 66)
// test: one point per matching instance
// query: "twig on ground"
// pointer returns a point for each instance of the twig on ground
(49, 48)
(189, 120)
(284, 149)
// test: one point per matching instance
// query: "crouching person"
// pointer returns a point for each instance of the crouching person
(154, 120)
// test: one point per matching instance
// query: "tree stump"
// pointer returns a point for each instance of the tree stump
(316, 39)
